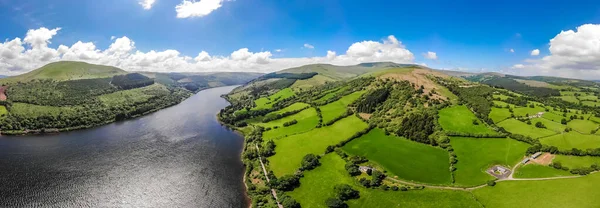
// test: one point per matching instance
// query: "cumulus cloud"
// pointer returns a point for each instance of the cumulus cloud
(309, 46)
(535, 52)
(512, 50)
(430, 55)
(518, 66)
(147, 4)
(18, 56)
(573, 53)
(187, 9)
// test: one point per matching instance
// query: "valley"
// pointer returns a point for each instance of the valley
(392, 135)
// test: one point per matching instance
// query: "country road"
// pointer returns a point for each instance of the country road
(267, 177)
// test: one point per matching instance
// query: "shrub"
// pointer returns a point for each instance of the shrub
(335, 203)
(309, 162)
(491, 183)
(345, 192)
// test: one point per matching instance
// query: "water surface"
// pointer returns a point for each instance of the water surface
(177, 157)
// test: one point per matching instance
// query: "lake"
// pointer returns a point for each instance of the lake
(177, 157)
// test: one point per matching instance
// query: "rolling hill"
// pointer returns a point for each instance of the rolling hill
(323, 130)
(69, 95)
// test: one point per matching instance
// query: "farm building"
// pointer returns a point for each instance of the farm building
(364, 169)
(500, 169)
(537, 115)
(537, 154)
(525, 160)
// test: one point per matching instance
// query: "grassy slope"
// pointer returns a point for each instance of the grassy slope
(517, 127)
(476, 155)
(30, 110)
(499, 114)
(133, 95)
(576, 162)
(338, 108)
(317, 185)
(575, 192)
(314, 81)
(3, 111)
(293, 107)
(572, 139)
(539, 171)
(402, 157)
(550, 125)
(459, 118)
(307, 120)
(68, 70)
(582, 126)
(264, 103)
(290, 150)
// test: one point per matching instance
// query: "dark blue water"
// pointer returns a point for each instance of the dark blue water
(177, 157)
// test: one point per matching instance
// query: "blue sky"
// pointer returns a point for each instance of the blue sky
(465, 35)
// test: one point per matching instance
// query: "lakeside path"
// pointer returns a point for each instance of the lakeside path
(267, 177)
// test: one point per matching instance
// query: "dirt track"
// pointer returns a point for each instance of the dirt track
(2, 93)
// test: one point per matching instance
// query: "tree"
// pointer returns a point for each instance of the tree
(491, 183)
(309, 162)
(540, 125)
(345, 192)
(563, 121)
(335, 203)
(288, 201)
(352, 169)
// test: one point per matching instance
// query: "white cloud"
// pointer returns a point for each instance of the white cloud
(535, 52)
(200, 8)
(430, 55)
(309, 46)
(573, 54)
(112, 37)
(17, 58)
(512, 50)
(278, 50)
(518, 66)
(147, 4)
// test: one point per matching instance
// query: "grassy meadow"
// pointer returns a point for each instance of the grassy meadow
(403, 158)
(267, 102)
(459, 118)
(539, 171)
(582, 126)
(476, 155)
(518, 127)
(290, 150)
(307, 120)
(576, 161)
(572, 139)
(338, 108)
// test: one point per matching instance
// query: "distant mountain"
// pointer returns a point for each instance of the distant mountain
(69, 70)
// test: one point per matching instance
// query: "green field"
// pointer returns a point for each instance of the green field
(133, 95)
(591, 103)
(403, 158)
(290, 150)
(314, 81)
(576, 161)
(579, 192)
(267, 102)
(518, 127)
(499, 114)
(572, 139)
(539, 171)
(553, 116)
(476, 155)
(500, 96)
(3, 111)
(307, 120)
(338, 108)
(524, 111)
(569, 98)
(317, 185)
(550, 125)
(459, 118)
(293, 107)
(582, 126)
(30, 110)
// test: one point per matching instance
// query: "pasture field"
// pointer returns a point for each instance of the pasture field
(550, 125)
(307, 120)
(313, 81)
(317, 185)
(567, 93)
(476, 155)
(569, 98)
(331, 93)
(524, 111)
(403, 158)
(290, 150)
(588, 96)
(265, 103)
(576, 161)
(338, 108)
(293, 107)
(459, 118)
(133, 95)
(578, 192)
(503, 104)
(591, 103)
(553, 116)
(499, 114)
(518, 127)
(595, 119)
(582, 126)
(572, 139)
(539, 171)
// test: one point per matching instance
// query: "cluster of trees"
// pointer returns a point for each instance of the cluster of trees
(289, 123)
(511, 84)
(299, 76)
(376, 179)
(343, 192)
(368, 103)
(309, 162)
(285, 183)
(130, 81)
(476, 135)
(578, 171)
(417, 126)
(477, 98)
